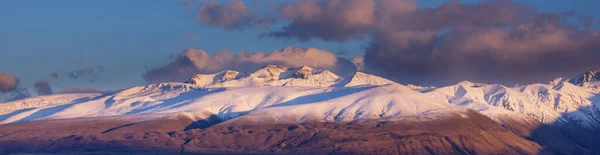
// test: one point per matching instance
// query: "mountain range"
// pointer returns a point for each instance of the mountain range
(304, 110)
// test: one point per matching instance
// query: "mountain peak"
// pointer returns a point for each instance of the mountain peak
(275, 75)
(303, 72)
(207, 79)
(229, 75)
(360, 78)
(588, 76)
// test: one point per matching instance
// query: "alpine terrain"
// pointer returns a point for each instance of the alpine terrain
(302, 110)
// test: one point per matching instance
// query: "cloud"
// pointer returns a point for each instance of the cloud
(8, 82)
(9, 88)
(71, 90)
(499, 41)
(332, 20)
(523, 52)
(230, 15)
(42, 87)
(194, 61)
(359, 62)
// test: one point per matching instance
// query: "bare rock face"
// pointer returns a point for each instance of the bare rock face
(471, 134)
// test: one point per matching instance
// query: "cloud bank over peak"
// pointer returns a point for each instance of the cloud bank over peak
(499, 41)
(192, 61)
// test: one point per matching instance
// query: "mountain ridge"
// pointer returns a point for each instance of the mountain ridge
(277, 96)
(543, 102)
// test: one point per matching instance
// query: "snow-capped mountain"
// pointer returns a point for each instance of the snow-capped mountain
(280, 96)
(271, 94)
(272, 75)
(277, 94)
(589, 80)
(590, 76)
(564, 103)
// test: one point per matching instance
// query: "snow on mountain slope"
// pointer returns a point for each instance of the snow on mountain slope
(360, 78)
(40, 101)
(282, 94)
(563, 103)
(273, 93)
(272, 75)
(269, 75)
(208, 79)
(387, 102)
(281, 104)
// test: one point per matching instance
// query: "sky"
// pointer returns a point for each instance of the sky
(112, 44)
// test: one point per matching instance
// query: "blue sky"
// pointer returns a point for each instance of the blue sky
(127, 36)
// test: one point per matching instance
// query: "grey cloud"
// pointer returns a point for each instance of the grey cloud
(499, 41)
(529, 52)
(231, 15)
(332, 20)
(42, 88)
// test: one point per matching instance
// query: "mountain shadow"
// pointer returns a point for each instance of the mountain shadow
(572, 137)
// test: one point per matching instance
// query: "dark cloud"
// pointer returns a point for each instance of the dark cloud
(42, 87)
(193, 61)
(230, 15)
(72, 90)
(8, 82)
(331, 20)
(534, 50)
(498, 41)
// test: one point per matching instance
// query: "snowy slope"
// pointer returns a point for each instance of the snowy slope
(271, 94)
(283, 104)
(282, 95)
(561, 102)
(269, 75)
